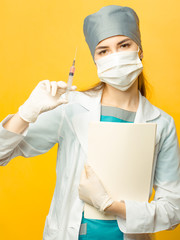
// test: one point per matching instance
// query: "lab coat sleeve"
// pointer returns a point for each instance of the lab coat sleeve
(37, 139)
(164, 211)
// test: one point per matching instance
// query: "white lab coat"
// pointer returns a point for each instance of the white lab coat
(68, 125)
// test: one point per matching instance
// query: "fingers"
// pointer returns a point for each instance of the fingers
(73, 88)
(90, 173)
(63, 85)
(83, 176)
(50, 86)
(89, 170)
(61, 101)
(54, 87)
(86, 171)
(47, 84)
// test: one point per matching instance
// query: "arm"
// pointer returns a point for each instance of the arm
(37, 138)
(117, 208)
(35, 128)
(16, 124)
(164, 211)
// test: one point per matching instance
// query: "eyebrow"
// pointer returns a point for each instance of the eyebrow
(125, 40)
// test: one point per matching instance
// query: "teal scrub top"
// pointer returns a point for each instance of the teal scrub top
(95, 229)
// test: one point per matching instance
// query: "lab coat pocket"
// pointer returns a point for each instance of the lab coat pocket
(71, 233)
(50, 233)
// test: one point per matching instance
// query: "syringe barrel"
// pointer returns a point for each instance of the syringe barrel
(69, 83)
(72, 69)
(70, 78)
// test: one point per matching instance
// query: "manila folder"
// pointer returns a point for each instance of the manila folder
(121, 154)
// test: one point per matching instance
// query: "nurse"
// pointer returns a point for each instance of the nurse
(47, 118)
(114, 39)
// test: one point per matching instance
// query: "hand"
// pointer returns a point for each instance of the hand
(92, 191)
(45, 97)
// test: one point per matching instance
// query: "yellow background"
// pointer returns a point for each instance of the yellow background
(38, 39)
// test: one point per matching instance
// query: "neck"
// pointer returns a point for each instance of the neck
(128, 100)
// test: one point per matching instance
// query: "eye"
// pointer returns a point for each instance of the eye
(126, 44)
(102, 52)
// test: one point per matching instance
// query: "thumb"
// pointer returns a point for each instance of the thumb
(89, 170)
(61, 101)
(83, 176)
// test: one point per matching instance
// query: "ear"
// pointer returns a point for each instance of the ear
(141, 55)
(94, 60)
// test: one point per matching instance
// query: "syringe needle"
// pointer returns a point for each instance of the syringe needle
(75, 53)
(74, 58)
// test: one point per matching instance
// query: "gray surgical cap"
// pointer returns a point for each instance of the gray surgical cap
(110, 21)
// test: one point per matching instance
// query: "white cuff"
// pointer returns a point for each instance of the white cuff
(135, 219)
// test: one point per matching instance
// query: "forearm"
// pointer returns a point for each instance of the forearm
(117, 208)
(16, 124)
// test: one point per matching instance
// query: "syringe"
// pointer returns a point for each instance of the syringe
(70, 78)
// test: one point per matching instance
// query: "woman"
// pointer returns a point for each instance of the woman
(114, 40)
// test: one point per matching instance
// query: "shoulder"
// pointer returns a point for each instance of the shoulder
(166, 127)
(163, 116)
(168, 124)
(165, 122)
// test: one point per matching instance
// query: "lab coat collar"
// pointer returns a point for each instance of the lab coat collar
(145, 112)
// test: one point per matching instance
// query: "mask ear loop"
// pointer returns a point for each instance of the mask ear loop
(138, 52)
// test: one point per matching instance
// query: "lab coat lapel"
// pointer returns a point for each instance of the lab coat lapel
(81, 121)
(145, 112)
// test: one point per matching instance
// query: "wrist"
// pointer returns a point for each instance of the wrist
(106, 204)
(27, 114)
(117, 208)
(110, 208)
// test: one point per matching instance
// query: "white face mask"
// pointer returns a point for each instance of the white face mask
(120, 69)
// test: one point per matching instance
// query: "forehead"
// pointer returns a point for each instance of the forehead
(113, 39)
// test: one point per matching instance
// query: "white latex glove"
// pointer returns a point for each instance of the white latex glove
(92, 191)
(45, 97)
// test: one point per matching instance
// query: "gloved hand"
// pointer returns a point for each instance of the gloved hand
(92, 191)
(45, 97)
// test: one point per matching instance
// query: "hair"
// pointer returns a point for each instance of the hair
(142, 86)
